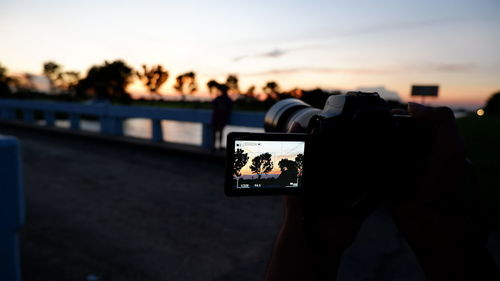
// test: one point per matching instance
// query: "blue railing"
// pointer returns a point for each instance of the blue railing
(11, 207)
(111, 117)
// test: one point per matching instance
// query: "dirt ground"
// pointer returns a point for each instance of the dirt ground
(106, 211)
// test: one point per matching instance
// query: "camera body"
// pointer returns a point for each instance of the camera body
(352, 149)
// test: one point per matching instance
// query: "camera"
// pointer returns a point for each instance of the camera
(352, 149)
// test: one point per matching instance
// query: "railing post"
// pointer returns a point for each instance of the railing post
(105, 125)
(8, 114)
(207, 140)
(50, 118)
(28, 116)
(74, 121)
(11, 208)
(116, 125)
(157, 130)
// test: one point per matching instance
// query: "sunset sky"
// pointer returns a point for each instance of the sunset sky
(278, 149)
(329, 44)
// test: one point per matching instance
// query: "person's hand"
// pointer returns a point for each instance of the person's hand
(439, 183)
(313, 237)
(434, 219)
(432, 216)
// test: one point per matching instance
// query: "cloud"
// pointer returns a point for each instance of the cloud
(432, 67)
(337, 70)
(360, 31)
(275, 53)
(450, 67)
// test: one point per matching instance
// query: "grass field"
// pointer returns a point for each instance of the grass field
(482, 137)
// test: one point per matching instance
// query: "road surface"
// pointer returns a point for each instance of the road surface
(108, 211)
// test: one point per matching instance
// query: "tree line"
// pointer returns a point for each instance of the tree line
(262, 164)
(109, 80)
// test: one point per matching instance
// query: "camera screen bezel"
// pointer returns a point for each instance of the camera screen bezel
(232, 137)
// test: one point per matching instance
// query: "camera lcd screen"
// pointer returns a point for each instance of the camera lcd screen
(266, 165)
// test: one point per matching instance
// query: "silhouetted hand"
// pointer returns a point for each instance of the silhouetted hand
(313, 237)
(435, 219)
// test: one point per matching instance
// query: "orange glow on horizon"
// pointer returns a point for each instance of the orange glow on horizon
(448, 95)
(452, 92)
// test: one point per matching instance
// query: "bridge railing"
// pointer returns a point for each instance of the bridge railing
(11, 207)
(111, 117)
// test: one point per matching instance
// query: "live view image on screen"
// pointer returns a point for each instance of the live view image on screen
(268, 164)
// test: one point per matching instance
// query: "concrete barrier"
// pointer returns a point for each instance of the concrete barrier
(11, 208)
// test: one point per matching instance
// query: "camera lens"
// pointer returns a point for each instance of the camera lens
(281, 116)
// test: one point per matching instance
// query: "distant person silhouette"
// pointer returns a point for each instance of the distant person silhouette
(289, 173)
(222, 106)
(446, 237)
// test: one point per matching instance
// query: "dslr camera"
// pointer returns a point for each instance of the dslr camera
(352, 149)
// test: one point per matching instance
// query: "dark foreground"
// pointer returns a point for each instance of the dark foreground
(104, 211)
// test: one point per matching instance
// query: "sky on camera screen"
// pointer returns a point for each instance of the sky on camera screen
(272, 164)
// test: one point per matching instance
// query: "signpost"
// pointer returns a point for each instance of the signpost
(424, 91)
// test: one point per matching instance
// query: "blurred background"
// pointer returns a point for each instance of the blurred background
(111, 102)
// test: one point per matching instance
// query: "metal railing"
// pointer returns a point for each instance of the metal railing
(11, 207)
(111, 117)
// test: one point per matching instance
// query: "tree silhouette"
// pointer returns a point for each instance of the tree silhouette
(212, 86)
(287, 165)
(232, 84)
(107, 81)
(271, 89)
(240, 160)
(3, 72)
(250, 93)
(153, 78)
(60, 81)
(493, 104)
(52, 71)
(186, 84)
(4, 81)
(288, 172)
(299, 161)
(261, 164)
(68, 80)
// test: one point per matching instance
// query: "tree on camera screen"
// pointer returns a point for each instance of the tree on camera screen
(268, 164)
